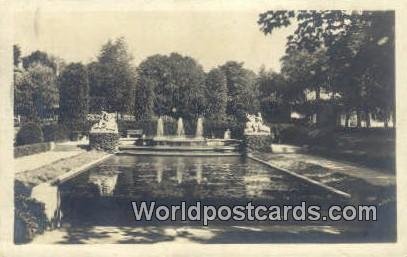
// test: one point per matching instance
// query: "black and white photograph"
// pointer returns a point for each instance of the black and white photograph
(203, 126)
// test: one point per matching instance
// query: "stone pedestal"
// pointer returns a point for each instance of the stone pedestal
(104, 141)
(259, 142)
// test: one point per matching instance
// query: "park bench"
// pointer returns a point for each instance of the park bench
(134, 133)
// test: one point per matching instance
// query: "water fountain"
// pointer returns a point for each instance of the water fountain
(160, 127)
(199, 128)
(180, 128)
(181, 143)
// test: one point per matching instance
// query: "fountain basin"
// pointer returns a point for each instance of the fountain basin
(180, 144)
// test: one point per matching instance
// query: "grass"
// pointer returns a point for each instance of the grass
(46, 173)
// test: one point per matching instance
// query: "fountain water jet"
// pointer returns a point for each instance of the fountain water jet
(180, 128)
(199, 128)
(160, 127)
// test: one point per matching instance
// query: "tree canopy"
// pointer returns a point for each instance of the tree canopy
(112, 77)
(74, 91)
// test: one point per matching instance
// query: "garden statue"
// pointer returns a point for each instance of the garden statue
(227, 134)
(255, 126)
(107, 124)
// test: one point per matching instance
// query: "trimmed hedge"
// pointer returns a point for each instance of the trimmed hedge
(260, 143)
(30, 133)
(25, 150)
(104, 141)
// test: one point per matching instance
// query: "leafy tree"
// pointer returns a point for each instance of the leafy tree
(17, 55)
(74, 92)
(274, 97)
(170, 85)
(216, 94)
(242, 91)
(35, 92)
(39, 57)
(358, 59)
(113, 77)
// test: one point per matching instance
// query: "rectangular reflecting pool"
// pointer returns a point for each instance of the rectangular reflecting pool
(101, 197)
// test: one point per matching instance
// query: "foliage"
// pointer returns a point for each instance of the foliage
(104, 141)
(349, 55)
(242, 91)
(296, 135)
(74, 91)
(170, 85)
(274, 96)
(113, 77)
(55, 132)
(39, 57)
(216, 94)
(260, 143)
(24, 150)
(35, 91)
(16, 55)
(29, 133)
(30, 218)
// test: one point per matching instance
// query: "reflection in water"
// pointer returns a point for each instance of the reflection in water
(198, 169)
(180, 169)
(105, 182)
(102, 195)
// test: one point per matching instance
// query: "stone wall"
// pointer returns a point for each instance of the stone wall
(108, 142)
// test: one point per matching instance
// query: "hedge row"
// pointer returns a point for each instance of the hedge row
(25, 150)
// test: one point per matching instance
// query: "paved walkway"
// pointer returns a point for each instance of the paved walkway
(35, 161)
(372, 176)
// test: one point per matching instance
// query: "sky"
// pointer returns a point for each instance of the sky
(211, 37)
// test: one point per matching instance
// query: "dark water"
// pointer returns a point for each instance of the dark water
(103, 195)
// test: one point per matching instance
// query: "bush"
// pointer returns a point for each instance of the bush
(56, 132)
(104, 141)
(30, 133)
(296, 135)
(301, 135)
(25, 150)
(29, 218)
(260, 143)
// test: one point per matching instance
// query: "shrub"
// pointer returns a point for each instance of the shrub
(30, 218)
(296, 135)
(25, 150)
(104, 141)
(260, 143)
(56, 132)
(30, 133)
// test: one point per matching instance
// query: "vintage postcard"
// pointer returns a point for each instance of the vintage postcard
(202, 127)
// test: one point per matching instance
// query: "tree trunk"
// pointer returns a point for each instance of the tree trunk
(367, 114)
(358, 118)
(347, 118)
(386, 120)
(318, 109)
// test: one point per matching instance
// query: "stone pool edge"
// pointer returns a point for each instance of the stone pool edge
(73, 173)
(304, 178)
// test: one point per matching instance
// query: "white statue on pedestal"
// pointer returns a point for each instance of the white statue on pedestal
(107, 124)
(255, 126)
